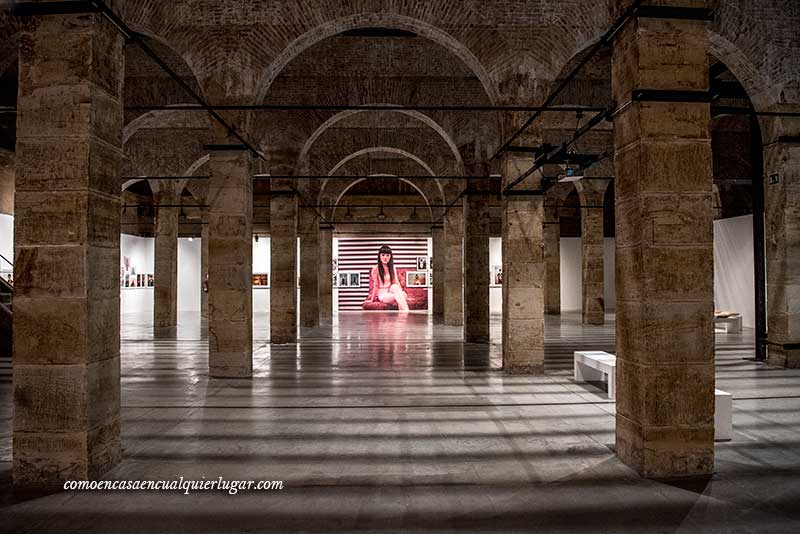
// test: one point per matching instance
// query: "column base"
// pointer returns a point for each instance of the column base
(526, 369)
(43, 461)
(666, 452)
(788, 359)
(165, 331)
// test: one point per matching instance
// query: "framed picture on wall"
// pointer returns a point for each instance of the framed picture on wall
(355, 279)
(261, 280)
(335, 265)
(497, 275)
(348, 279)
(150, 280)
(422, 263)
(416, 279)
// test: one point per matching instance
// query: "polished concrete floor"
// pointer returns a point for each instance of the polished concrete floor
(390, 423)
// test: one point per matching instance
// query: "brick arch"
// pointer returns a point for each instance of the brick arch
(375, 20)
(182, 184)
(423, 118)
(342, 189)
(391, 150)
(386, 149)
(164, 119)
(762, 94)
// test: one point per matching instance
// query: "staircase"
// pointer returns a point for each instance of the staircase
(6, 329)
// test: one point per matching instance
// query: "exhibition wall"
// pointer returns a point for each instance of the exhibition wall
(571, 279)
(356, 256)
(6, 243)
(190, 282)
(733, 267)
(261, 265)
(136, 256)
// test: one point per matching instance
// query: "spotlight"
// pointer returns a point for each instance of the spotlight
(571, 175)
(256, 238)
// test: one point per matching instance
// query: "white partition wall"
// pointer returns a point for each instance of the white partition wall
(137, 256)
(189, 278)
(733, 267)
(571, 256)
(495, 261)
(6, 243)
(261, 265)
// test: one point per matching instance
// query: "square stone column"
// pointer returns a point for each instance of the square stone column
(283, 286)
(66, 422)
(438, 254)
(591, 192)
(664, 252)
(782, 206)
(476, 265)
(454, 267)
(523, 278)
(308, 228)
(165, 291)
(325, 283)
(552, 261)
(230, 261)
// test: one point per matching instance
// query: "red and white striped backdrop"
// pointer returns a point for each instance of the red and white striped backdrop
(361, 254)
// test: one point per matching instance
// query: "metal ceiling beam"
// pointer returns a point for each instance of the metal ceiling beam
(38, 9)
(365, 107)
(604, 41)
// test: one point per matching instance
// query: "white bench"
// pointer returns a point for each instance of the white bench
(729, 324)
(594, 365)
(723, 415)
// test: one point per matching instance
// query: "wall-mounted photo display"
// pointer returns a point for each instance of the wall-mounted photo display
(348, 279)
(261, 280)
(497, 275)
(417, 279)
(335, 265)
(130, 278)
(422, 263)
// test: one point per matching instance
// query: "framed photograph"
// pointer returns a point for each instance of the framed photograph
(335, 265)
(348, 279)
(355, 279)
(416, 279)
(150, 281)
(497, 275)
(422, 263)
(261, 280)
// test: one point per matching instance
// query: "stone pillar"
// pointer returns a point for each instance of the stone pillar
(66, 303)
(782, 206)
(325, 283)
(203, 270)
(165, 292)
(552, 260)
(283, 287)
(476, 264)
(523, 278)
(591, 192)
(438, 260)
(453, 267)
(230, 260)
(6, 181)
(308, 228)
(664, 252)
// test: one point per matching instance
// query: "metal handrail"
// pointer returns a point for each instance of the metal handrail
(7, 260)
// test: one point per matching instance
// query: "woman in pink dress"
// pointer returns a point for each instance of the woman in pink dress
(385, 283)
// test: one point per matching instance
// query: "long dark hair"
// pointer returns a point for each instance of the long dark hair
(385, 249)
